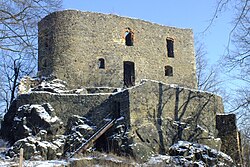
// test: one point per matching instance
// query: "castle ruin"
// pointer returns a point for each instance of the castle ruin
(132, 69)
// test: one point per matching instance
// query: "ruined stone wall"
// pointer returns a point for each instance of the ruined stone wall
(151, 102)
(95, 107)
(161, 115)
(156, 115)
(72, 42)
(228, 132)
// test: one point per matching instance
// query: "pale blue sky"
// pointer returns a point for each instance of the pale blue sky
(194, 14)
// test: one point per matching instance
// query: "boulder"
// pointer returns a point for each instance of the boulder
(186, 153)
(33, 146)
(31, 119)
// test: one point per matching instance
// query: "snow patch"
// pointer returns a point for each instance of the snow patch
(43, 114)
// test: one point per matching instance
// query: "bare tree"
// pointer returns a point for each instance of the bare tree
(238, 57)
(18, 41)
(237, 64)
(207, 76)
(237, 60)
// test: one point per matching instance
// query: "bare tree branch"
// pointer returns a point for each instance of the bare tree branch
(207, 77)
(18, 41)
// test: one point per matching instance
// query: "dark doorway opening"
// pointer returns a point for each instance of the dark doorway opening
(116, 109)
(102, 143)
(129, 73)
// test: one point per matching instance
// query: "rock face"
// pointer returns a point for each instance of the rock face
(49, 147)
(186, 154)
(30, 120)
(124, 142)
(37, 130)
(190, 154)
(35, 147)
(78, 130)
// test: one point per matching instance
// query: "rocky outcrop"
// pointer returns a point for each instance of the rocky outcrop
(37, 130)
(188, 154)
(29, 120)
(35, 147)
(78, 130)
(44, 142)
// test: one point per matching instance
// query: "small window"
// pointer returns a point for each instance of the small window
(129, 37)
(101, 63)
(170, 47)
(168, 71)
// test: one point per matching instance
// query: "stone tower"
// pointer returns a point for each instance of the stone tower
(94, 50)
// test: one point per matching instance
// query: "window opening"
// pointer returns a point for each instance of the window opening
(168, 71)
(170, 47)
(129, 73)
(101, 63)
(129, 37)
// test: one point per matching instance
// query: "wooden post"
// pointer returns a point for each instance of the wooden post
(21, 158)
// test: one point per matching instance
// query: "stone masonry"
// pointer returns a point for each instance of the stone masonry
(228, 132)
(71, 43)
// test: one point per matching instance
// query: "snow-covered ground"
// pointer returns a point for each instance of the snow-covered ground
(51, 163)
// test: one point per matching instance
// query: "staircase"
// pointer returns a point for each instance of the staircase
(94, 137)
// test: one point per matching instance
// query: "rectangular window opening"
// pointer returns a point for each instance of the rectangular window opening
(170, 47)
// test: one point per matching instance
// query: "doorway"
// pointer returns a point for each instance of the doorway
(129, 73)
